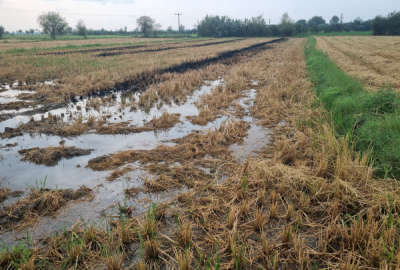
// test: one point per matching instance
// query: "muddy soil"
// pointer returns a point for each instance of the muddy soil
(50, 156)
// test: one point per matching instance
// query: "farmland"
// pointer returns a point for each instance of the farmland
(373, 60)
(198, 154)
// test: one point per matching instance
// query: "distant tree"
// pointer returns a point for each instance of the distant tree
(334, 20)
(68, 30)
(52, 23)
(2, 30)
(315, 22)
(169, 29)
(301, 26)
(394, 23)
(146, 25)
(287, 27)
(358, 21)
(389, 25)
(81, 29)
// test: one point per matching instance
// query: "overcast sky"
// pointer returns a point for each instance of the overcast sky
(116, 14)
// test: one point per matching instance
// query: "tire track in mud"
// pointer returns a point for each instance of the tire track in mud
(168, 48)
(142, 80)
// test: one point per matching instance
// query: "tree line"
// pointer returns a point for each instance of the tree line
(389, 25)
(224, 26)
(54, 24)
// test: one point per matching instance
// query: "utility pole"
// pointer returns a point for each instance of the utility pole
(341, 18)
(179, 20)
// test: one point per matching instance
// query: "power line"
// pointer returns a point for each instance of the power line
(179, 20)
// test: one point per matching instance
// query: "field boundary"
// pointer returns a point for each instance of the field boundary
(370, 120)
(122, 52)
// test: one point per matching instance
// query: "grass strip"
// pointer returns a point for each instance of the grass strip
(370, 119)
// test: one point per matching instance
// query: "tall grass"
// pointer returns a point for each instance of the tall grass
(370, 119)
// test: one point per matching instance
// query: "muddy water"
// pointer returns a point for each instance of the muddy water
(18, 175)
(257, 137)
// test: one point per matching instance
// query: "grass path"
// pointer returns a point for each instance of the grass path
(370, 120)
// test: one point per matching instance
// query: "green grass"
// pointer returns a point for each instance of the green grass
(350, 33)
(371, 119)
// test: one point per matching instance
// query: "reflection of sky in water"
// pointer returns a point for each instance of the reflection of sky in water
(17, 175)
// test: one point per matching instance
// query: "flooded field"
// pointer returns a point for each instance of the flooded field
(32, 157)
(192, 154)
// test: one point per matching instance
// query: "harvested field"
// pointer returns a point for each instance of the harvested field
(219, 156)
(374, 60)
(147, 116)
(22, 44)
(83, 74)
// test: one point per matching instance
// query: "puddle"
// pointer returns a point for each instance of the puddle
(257, 136)
(71, 173)
(114, 111)
(11, 95)
(254, 82)
(18, 174)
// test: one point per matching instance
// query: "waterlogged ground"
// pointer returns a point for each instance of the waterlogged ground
(72, 173)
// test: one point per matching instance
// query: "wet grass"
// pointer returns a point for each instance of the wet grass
(368, 119)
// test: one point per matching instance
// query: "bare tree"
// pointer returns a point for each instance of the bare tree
(52, 23)
(146, 25)
(81, 29)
